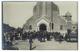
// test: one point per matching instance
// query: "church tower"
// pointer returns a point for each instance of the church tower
(46, 10)
(46, 17)
(68, 19)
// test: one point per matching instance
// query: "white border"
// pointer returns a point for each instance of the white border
(40, 50)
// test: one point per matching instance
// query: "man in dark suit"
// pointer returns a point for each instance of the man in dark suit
(30, 40)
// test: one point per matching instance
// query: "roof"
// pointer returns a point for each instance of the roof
(68, 14)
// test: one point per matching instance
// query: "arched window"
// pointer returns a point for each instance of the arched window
(30, 27)
(52, 26)
(61, 27)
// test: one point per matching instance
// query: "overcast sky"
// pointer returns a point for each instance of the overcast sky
(17, 13)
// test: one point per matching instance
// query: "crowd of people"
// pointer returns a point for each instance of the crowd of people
(42, 36)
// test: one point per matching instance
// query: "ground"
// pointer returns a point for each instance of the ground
(47, 45)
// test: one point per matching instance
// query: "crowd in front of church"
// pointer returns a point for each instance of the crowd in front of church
(42, 36)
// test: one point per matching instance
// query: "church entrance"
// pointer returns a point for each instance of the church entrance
(42, 27)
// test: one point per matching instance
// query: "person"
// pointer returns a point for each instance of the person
(41, 36)
(37, 35)
(4, 40)
(44, 35)
(11, 37)
(22, 36)
(25, 35)
(16, 36)
(60, 38)
(68, 31)
(48, 36)
(30, 40)
(34, 34)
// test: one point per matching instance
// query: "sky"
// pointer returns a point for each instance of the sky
(17, 13)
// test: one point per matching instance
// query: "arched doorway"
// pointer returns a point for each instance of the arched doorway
(42, 27)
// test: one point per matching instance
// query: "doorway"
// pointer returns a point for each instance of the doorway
(42, 27)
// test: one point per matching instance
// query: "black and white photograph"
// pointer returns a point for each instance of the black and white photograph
(39, 25)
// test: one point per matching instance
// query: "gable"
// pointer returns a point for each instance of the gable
(43, 19)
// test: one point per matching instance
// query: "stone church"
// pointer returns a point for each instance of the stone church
(46, 17)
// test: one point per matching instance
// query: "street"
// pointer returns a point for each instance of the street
(47, 45)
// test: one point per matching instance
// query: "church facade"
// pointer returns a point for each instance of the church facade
(46, 17)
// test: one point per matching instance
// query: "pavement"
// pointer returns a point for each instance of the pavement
(47, 45)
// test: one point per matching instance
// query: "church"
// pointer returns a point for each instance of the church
(46, 17)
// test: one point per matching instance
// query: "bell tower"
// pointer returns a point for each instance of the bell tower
(68, 19)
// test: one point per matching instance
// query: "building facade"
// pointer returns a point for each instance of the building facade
(46, 17)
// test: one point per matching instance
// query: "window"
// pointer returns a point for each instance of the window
(30, 27)
(61, 27)
(52, 26)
